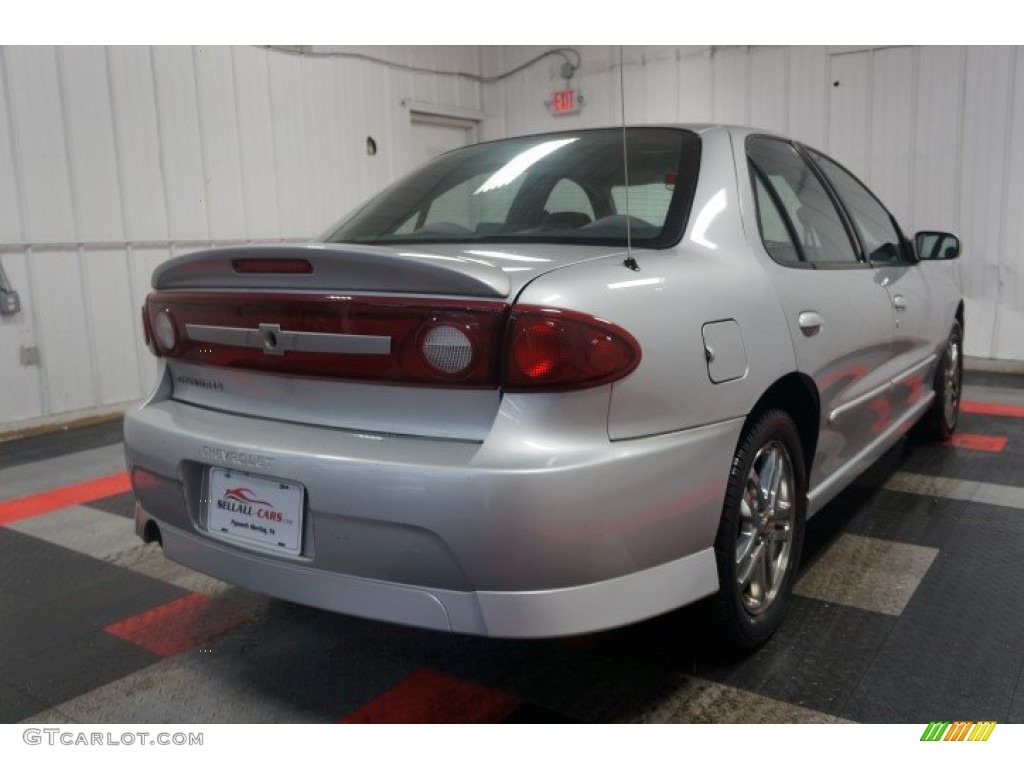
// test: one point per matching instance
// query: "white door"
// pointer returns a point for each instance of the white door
(432, 136)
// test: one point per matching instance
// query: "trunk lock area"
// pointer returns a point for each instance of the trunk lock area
(269, 332)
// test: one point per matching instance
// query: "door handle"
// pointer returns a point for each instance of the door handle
(810, 323)
(899, 303)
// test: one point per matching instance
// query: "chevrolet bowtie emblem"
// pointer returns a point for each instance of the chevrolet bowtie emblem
(271, 338)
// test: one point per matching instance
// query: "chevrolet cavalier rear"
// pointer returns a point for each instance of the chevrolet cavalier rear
(504, 397)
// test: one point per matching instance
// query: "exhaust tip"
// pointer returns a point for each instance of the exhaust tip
(151, 533)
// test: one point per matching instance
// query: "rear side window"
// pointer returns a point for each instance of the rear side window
(812, 217)
(874, 224)
(772, 222)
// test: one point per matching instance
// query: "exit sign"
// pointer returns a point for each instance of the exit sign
(565, 102)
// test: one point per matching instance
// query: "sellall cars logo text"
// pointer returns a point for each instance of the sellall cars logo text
(961, 730)
(244, 501)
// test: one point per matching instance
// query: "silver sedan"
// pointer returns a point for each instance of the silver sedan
(547, 385)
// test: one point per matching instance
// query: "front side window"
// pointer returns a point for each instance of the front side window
(556, 188)
(874, 225)
(821, 236)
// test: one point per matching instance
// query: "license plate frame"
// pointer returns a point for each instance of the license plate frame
(255, 511)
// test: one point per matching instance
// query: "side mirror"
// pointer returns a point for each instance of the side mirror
(936, 246)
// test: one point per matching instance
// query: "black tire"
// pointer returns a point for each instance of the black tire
(940, 420)
(755, 520)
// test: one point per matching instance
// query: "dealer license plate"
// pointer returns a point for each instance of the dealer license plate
(254, 511)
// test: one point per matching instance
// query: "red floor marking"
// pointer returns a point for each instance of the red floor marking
(992, 443)
(429, 697)
(992, 409)
(69, 495)
(179, 625)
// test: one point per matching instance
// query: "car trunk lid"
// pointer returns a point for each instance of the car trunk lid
(332, 334)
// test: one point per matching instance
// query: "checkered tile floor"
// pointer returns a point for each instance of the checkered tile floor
(908, 609)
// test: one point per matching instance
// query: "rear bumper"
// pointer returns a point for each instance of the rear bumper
(541, 530)
(545, 613)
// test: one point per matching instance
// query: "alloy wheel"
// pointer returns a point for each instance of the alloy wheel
(765, 539)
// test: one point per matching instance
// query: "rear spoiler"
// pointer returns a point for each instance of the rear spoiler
(336, 266)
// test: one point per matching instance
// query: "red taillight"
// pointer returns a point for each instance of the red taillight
(556, 349)
(411, 341)
(147, 331)
(272, 266)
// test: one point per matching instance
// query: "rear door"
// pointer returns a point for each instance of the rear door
(838, 313)
(882, 244)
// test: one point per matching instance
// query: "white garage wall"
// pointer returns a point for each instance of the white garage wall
(937, 132)
(115, 159)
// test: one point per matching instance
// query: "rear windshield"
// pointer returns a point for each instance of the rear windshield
(561, 188)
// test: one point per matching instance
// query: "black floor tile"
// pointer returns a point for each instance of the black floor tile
(1005, 467)
(815, 660)
(74, 666)
(16, 706)
(42, 571)
(48, 446)
(1016, 711)
(956, 652)
(12, 602)
(119, 595)
(908, 518)
(36, 628)
(123, 505)
(67, 580)
(57, 602)
(307, 660)
(595, 683)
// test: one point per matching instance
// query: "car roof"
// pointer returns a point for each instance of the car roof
(698, 128)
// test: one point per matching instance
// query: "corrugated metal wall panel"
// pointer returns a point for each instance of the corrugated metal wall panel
(63, 327)
(849, 116)
(730, 89)
(890, 159)
(22, 385)
(660, 81)
(769, 85)
(1008, 334)
(808, 93)
(287, 119)
(92, 159)
(320, 144)
(10, 199)
(181, 146)
(112, 330)
(983, 186)
(219, 134)
(137, 131)
(35, 99)
(695, 92)
(936, 143)
(256, 142)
